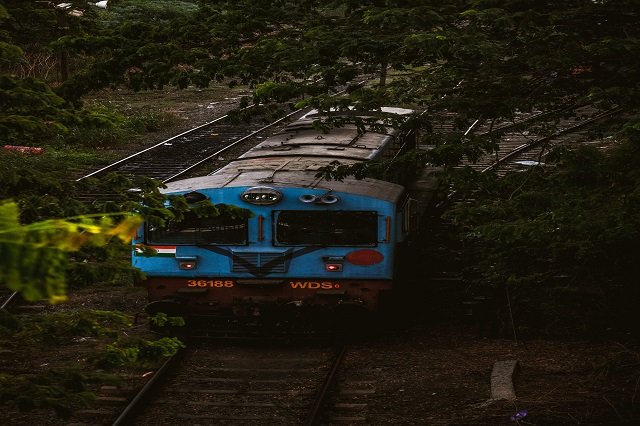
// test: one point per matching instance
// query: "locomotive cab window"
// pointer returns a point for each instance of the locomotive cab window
(194, 230)
(327, 228)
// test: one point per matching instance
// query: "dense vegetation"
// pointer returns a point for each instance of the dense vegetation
(478, 58)
(558, 242)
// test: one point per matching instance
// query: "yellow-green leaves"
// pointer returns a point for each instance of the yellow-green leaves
(33, 257)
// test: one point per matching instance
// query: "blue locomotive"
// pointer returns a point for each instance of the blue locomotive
(309, 242)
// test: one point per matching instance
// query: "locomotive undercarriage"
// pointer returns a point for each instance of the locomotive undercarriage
(279, 300)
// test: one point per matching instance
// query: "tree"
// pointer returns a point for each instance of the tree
(486, 58)
(33, 257)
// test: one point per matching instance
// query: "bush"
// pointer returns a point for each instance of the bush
(139, 352)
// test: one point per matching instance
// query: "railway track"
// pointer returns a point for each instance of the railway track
(257, 385)
(177, 156)
(526, 142)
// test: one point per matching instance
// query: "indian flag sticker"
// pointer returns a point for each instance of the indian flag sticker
(156, 251)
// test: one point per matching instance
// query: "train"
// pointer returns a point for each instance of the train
(308, 243)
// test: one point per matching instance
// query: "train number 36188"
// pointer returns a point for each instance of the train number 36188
(209, 283)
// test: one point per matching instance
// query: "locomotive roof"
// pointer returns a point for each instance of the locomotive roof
(301, 138)
(286, 172)
(293, 157)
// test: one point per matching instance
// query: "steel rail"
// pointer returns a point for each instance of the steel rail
(132, 409)
(13, 296)
(313, 417)
(472, 127)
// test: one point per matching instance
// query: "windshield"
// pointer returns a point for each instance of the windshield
(200, 231)
(327, 228)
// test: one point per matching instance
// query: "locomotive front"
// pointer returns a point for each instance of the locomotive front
(306, 244)
(299, 246)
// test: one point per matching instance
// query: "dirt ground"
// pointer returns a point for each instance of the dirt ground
(441, 375)
(429, 372)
